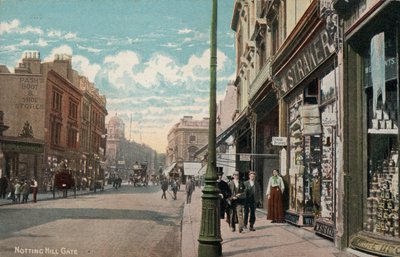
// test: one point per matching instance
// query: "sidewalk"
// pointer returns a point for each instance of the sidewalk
(58, 195)
(269, 239)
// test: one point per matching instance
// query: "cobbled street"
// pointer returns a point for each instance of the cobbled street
(128, 222)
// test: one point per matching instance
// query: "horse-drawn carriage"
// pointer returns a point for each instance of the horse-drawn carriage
(139, 176)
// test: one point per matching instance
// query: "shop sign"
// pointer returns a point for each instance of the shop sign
(324, 229)
(292, 217)
(306, 61)
(121, 162)
(380, 247)
(22, 147)
(279, 141)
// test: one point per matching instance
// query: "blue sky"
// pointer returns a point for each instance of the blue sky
(149, 57)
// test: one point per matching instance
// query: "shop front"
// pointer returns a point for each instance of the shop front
(371, 125)
(308, 81)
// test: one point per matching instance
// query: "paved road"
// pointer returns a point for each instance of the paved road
(125, 223)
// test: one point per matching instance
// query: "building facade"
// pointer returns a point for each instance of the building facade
(185, 138)
(321, 83)
(370, 101)
(288, 68)
(43, 106)
(23, 103)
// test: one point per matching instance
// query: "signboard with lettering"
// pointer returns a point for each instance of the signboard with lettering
(306, 61)
(23, 100)
(374, 245)
(279, 141)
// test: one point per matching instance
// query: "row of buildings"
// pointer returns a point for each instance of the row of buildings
(318, 98)
(52, 118)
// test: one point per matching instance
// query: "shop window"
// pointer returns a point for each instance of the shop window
(381, 91)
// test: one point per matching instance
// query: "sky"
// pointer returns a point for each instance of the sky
(150, 58)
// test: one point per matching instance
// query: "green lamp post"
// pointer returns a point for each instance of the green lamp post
(210, 230)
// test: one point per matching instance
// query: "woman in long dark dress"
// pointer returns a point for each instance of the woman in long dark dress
(275, 191)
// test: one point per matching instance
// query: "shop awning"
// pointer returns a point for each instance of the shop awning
(169, 168)
(226, 133)
(191, 168)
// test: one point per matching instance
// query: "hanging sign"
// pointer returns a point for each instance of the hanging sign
(279, 141)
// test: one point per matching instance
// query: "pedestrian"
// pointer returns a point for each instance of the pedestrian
(174, 188)
(274, 194)
(189, 189)
(25, 188)
(11, 190)
(17, 191)
(238, 197)
(34, 187)
(224, 194)
(164, 188)
(3, 186)
(253, 197)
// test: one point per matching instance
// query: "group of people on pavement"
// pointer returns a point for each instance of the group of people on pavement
(13, 189)
(239, 200)
(175, 187)
(173, 183)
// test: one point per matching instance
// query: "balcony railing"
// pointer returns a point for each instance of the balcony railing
(263, 75)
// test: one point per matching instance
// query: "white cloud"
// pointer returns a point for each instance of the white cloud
(158, 68)
(119, 68)
(54, 33)
(63, 49)
(197, 67)
(83, 65)
(124, 69)
(7, 27)
(184, 31)
(89, 49)
(30, 29)
(14, 27)
(70, 35)
(170, 45)
(25, 42)
(41, 42)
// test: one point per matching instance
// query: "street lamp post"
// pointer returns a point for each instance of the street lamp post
(210, 230)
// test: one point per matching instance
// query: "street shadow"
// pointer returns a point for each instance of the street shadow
(240, 238)
(37, 217)
(255, 249)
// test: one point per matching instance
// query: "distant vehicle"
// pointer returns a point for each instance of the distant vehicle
(139, 177)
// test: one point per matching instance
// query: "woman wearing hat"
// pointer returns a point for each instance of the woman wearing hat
(275, 190)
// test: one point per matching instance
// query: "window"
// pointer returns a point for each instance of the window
(56, 133)
(382, 172)
(73, 110)
(192, 138)
(57, 101)
(72, 138)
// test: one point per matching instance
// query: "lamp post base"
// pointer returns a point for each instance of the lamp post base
(213, 249)
(210, 234)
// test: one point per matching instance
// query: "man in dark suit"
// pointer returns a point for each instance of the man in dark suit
(253, 197)
(224, 193)
(238, 199)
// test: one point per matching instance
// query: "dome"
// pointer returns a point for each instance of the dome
(116, 121)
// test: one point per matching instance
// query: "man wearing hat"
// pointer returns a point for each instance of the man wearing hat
(238, 199)
(224, 193)
(253, 197)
